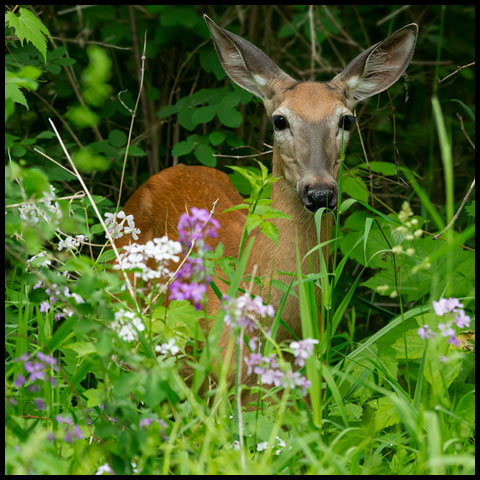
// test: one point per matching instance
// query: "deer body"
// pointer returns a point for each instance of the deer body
(311, 124)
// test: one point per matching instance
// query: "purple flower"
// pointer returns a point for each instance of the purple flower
(188, 291)
(453, 339)
(20, 380)
(244, 311)
(302, 350)
(40, 403)
(462, 320)
(44, 307)
(426, 332)
(197, 226)
(445, 305)
(145, 422)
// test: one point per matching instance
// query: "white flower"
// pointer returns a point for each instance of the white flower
(168, 347)
(123, 325)
(161, 250)
(262, 446)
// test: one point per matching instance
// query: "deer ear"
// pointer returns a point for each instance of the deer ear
(378, 67)
(246, 64)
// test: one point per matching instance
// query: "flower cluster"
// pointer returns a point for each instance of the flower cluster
(244, 311)
(105, 417)
(196, 227)
(146, 422)
(116, 225)
(192, 279)
(446, 307)
(55, 292)
(45, 209)
(191, 282)
(270, 372)
(138, 258)
(126, 325)
(169, 347)
(72, 432)
(302, 350)
(71, 243)
(38, 366)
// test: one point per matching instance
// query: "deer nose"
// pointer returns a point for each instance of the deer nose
(317, 196)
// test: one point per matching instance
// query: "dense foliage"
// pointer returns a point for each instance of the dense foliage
(98, 98)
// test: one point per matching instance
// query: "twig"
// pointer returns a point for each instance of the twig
(35, 149)
(456, 71)
(391, 15)
(132, 121)
(453, 220)
(469, 140)
(95, 208)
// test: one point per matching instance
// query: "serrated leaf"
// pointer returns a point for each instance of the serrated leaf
(13, 93)
(95, 396)
(270, 230)
(28, 27)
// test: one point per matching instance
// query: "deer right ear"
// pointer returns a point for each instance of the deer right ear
(246, 64)
(378, 67)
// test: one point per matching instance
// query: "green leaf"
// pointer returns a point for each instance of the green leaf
(117, 138)
(13, 93)
(216, 138)
(82, 116)
(204, 154)
(86, 161)
(203, 114)
(355, 188)
(231, 118)
(28, 27)
(82, 348)
(95, 396)
(270, 230)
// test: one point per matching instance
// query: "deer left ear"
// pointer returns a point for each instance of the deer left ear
(378, 67)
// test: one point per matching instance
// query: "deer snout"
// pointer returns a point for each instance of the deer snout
(317, 196)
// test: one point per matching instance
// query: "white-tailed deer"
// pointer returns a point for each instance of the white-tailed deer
(307, 119)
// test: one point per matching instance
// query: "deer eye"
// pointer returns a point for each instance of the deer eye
(347, 121)
(279, 122)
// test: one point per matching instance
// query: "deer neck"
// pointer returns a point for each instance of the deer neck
(299, 230)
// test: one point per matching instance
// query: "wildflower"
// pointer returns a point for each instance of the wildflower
(191, 282)
(397, 249)
(262, 446)
(117, 230)
(136, 257)
(39, 260)
(271, 374)
(168, 347)
(302, 350)
(104, 469)
(44, 307)
(405, 212)
(462, 320)
(43, 209)
(20, 380)
(123, 325)
(197, 226)
(426, 332)
(244, 311)
(445, 305)
(145, 422)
